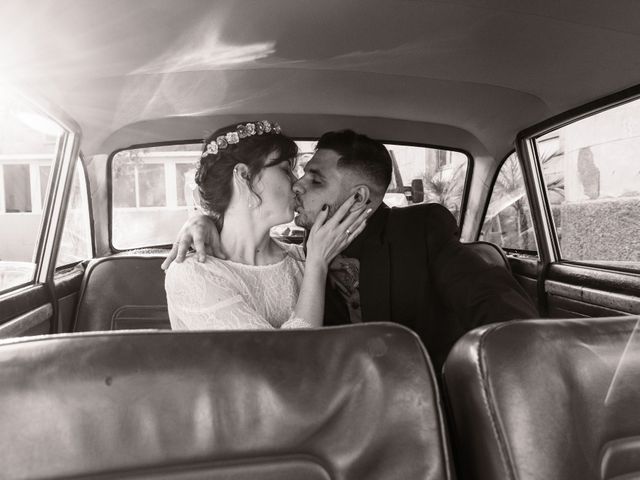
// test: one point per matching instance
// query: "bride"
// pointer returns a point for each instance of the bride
(244, 179)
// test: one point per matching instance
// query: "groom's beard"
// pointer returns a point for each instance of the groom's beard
(305, 221)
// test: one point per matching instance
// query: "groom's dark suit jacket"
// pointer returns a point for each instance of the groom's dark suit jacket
(414, 271)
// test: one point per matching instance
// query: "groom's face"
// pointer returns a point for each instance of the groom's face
(323, 183)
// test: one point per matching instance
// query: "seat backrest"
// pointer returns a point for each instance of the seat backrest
(490, 253)
(547, 399)
(122, 292)
(354, 402)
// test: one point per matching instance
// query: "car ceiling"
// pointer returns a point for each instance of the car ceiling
(460, 73)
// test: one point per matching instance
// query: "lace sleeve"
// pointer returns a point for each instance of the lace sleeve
(201, 297)
(295, 322)
(297, 253)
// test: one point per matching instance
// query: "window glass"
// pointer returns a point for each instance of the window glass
(508, 222)
(153, 188)
(591, 170)
(124, 178)
(185, 183)
(152, 191)
(44, 172)
(28, 147)
(75, 245)
(17, 188)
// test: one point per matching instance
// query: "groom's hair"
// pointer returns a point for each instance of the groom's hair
(359, 153)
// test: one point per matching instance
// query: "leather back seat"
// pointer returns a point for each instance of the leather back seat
(547, 399)
(126, 291)
(123, 292)
(353, 402)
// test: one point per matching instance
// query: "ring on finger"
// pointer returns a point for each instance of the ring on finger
(347, 232)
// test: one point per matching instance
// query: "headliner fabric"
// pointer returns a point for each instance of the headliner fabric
(355, 402)
(489, 67)
(547, 399)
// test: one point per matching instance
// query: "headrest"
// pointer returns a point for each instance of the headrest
(349, 402)
(542, 399)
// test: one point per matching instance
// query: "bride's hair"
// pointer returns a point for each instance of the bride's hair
(248, 143)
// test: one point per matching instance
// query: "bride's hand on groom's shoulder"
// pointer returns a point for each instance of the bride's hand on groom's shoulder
(330, 236)
(199, 232)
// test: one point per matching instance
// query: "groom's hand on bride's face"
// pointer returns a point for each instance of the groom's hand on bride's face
(199, 232)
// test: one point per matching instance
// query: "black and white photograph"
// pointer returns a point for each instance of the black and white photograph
(320, 240)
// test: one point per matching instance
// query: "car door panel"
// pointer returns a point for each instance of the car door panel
(30, 311)
(525, 271)
(25, 311)
(583, 291)
(34, 322)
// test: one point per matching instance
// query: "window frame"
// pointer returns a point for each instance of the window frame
(546, 234)
(110, 202)
(467, 178)
(53, 210)
(87, 189)
(515, 251)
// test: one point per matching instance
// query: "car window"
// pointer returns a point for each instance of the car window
(29, 144)
(420, 174)
(154, 191)
(592, 178)
(76, 244)
(508, 222)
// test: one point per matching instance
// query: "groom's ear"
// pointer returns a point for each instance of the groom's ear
(362, 194)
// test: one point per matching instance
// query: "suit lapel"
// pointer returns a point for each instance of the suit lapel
(375, 281)
(408, 271)
(372, 249)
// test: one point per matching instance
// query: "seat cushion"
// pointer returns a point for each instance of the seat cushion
(354, 402)
(547, 399)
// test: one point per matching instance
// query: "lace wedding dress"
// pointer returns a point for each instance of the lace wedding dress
(225, 295)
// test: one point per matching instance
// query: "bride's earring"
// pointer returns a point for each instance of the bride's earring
(252, 203)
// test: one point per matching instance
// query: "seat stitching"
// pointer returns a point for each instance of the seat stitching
(121, 308)
(502, 447)
(442, 428)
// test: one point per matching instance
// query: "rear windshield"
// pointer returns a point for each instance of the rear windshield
(154, 192)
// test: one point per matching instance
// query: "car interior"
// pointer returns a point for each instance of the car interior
(529, 112)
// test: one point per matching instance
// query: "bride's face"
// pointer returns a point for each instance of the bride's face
(273, 184)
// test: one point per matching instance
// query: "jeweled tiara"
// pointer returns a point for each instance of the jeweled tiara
(241, 131)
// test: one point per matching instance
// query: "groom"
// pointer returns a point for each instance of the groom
(408, 265)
